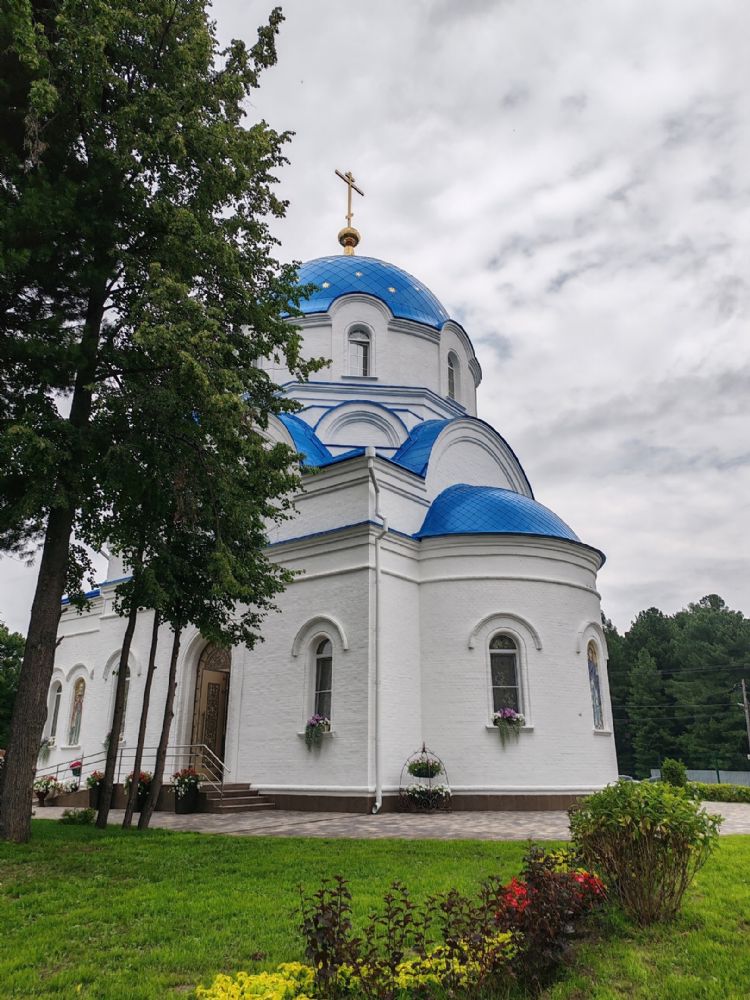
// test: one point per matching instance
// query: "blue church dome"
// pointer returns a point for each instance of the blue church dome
(406, 297)
(470, 510)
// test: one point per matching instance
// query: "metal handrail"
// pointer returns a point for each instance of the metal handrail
(211, 766)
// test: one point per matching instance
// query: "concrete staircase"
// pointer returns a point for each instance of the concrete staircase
(236, 798)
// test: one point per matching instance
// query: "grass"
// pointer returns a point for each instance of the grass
(119, 915)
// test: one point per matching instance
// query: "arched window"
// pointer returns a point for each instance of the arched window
(76, 712)
(359, 352)
(592, 655)
(453, 376)
(323, 678)
(54, 710)
(506, 692)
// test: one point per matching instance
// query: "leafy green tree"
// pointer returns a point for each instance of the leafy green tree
(128, 177)
(700, 654)
(11, 655)
(646, 697)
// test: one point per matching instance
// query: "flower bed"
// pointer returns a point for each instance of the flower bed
(457, 946)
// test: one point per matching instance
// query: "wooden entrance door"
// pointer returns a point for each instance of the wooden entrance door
(211, 701)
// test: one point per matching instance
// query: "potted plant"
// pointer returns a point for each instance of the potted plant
(144, 783)
(424, 767)
(94, 785)
(44, 749)
(186, 784)
(427, 796)
(315, 726)
(44, 786)
(508, 723)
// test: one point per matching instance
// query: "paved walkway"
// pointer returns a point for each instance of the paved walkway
(435, 826)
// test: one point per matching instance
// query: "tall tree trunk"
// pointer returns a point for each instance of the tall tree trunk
(30, 709)
(113, 743)
(161, 753)
(133, 794)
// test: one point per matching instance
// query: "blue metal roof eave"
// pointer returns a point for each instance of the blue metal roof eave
(419, 537)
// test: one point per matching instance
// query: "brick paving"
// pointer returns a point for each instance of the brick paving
(436, 826)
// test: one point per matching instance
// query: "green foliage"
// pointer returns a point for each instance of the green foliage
(674, 772)
(242, 893)
(673, 687)
(455, 945)
(78, 817)
(647, 840)
(11, 654)
(718, 793)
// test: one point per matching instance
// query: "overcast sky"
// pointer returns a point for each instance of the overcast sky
(571, 179)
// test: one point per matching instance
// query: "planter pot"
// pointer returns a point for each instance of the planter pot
(142, 798)
(187, 803)
(76, 772)
(94, 796)
(40, 797)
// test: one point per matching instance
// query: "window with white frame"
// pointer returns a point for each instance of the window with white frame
(504, 673)
(76, 712)
(359, 352)
(453, 376)
(323, 678)
(55, 700)
(592, 655)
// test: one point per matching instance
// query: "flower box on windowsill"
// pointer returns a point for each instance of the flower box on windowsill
(323, 736)
(523, 729)
(602, 732)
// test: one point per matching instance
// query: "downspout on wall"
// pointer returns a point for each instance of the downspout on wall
(370, 453)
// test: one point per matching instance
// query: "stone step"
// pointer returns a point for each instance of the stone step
(232, 793)
(238, 805)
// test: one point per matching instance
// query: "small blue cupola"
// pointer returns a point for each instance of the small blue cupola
(471, 510)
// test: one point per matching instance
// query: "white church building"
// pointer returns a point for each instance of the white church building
(432, 590)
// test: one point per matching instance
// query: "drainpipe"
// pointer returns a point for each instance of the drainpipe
(370, 453)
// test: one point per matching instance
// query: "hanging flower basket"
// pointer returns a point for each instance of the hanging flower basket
(315, 727)
(423, 794)
(75, 768)
(424, 767)
(508, 723)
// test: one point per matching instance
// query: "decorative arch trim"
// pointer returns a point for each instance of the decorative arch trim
(79, 669)
(318, 622)
(113, 660)
(500, 620)
(591, 628)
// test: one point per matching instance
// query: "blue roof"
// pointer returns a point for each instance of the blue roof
(470, 510)
(414, 453)
(406, 297)
(306, 441)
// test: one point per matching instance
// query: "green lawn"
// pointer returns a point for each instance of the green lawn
(117, 914)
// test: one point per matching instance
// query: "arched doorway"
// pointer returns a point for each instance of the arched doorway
(212, 699)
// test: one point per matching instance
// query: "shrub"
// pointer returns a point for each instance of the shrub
(718, 793)
(291, 979)
(78, 817)
(648, 841)
(542, 907)
(674, 772)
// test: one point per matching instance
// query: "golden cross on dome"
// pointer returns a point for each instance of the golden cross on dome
(349, 181)
(349, 237)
